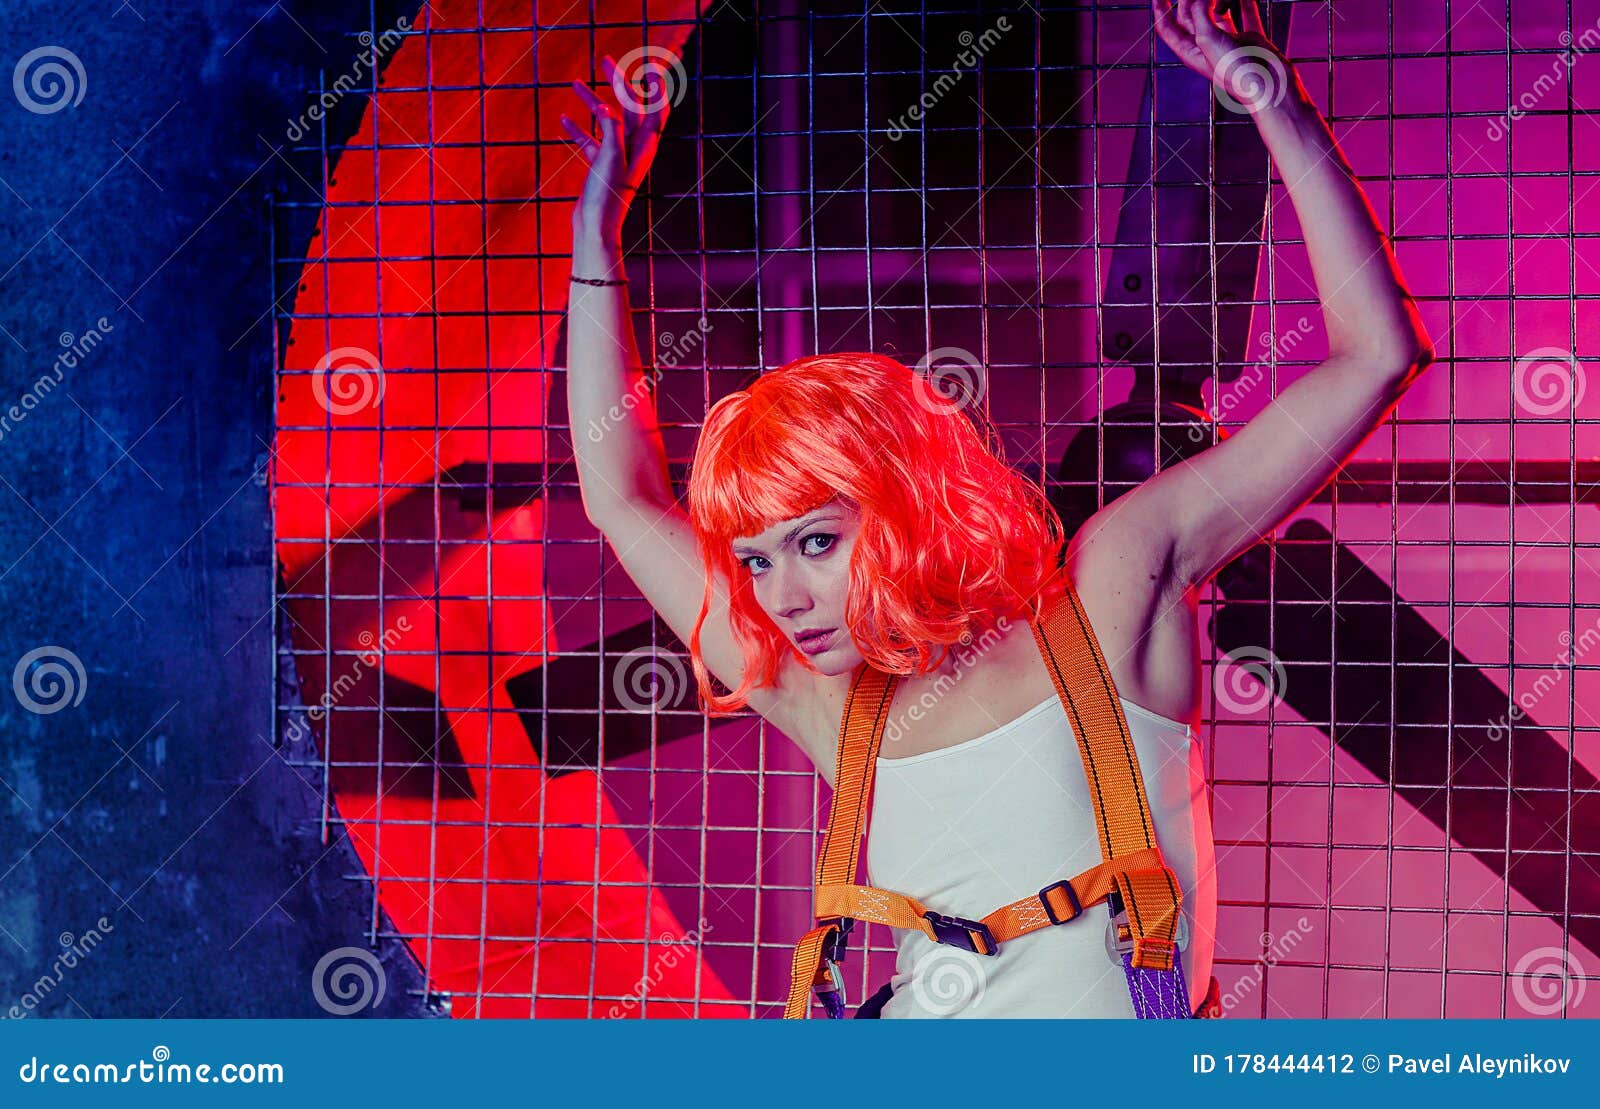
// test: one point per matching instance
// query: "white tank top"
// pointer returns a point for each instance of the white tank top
(975, 826)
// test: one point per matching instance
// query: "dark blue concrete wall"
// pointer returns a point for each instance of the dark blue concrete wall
(153, 820)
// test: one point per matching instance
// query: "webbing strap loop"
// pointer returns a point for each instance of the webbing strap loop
(1151, 897)
(811, 971)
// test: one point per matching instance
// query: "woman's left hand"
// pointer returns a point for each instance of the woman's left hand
(1248, 71)
(619, 159)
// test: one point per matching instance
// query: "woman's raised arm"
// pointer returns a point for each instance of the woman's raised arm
(1205, 511)
(615, 438)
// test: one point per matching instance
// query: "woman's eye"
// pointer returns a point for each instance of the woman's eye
(831, 541)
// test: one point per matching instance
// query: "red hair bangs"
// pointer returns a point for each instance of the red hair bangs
(951, 539)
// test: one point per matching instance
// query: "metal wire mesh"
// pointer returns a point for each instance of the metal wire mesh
(511, 740)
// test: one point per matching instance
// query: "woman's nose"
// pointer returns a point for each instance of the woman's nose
(791, 597)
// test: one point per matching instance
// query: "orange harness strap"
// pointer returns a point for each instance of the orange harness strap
(1132, 866)
(860, 735)
(1150, 894)
(1024, 915)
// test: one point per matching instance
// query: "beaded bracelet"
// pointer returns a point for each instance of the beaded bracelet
(600, 280)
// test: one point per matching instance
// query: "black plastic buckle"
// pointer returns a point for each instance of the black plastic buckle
(838, 943)
(957, 931)
(1072, 896)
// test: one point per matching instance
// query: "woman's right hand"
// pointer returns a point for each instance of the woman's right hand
(619, 159)
(1246, 67)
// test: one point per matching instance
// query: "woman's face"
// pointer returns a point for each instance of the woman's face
(799, 571)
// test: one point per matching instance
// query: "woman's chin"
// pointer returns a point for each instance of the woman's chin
(837, 661)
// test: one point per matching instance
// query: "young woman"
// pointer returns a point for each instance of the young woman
(839, 514)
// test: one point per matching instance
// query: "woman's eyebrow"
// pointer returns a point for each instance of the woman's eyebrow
(740, 548)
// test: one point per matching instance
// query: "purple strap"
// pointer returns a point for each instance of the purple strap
(1158, 994)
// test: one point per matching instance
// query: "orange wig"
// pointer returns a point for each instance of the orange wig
(951, 539)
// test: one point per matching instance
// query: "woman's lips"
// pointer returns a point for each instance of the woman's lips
(817, 642)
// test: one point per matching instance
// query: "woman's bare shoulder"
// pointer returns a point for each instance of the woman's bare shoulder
(806, 707)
